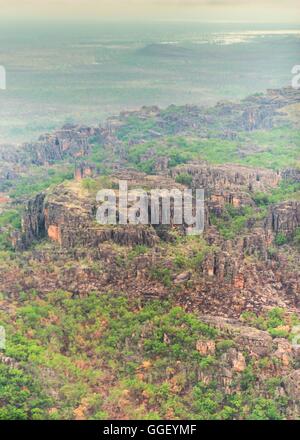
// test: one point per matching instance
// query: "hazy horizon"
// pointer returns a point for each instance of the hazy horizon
(85, 71)
(271, 11)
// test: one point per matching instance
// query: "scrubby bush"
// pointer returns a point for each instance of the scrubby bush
(184, 179)
(281, 239)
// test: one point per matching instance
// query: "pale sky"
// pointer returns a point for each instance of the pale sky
(280, 11)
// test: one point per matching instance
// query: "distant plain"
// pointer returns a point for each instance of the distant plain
(85, 72)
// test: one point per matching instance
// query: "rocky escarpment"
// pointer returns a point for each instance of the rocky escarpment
(245, 272)
(248, 274)
(261, 111)
(228, 184)
(229, 176)
(76, 141)
(73, 141)
(250, 267)
(70, 141)
(67, 216)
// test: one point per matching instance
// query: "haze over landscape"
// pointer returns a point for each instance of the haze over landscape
(58, 72)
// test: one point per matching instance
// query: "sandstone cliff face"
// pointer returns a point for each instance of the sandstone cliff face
(33, 224)
(68, 143)
(67, 216)
(248, 267)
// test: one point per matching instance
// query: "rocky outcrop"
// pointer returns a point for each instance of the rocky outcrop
(67, 215)
(240, 271)
(71, 141)
(284, 218)
(228, 184)
(8, 361)
(257, 118)
(292, 386)
(84, 169)
(229, 177)
(262, 110)
(292, 174)
(12, 162)
(206, 348)
(33, 222)
(254, 344)
(75, 141)
(258, 342)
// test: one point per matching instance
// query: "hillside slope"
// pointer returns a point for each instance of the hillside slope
(126, 321)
